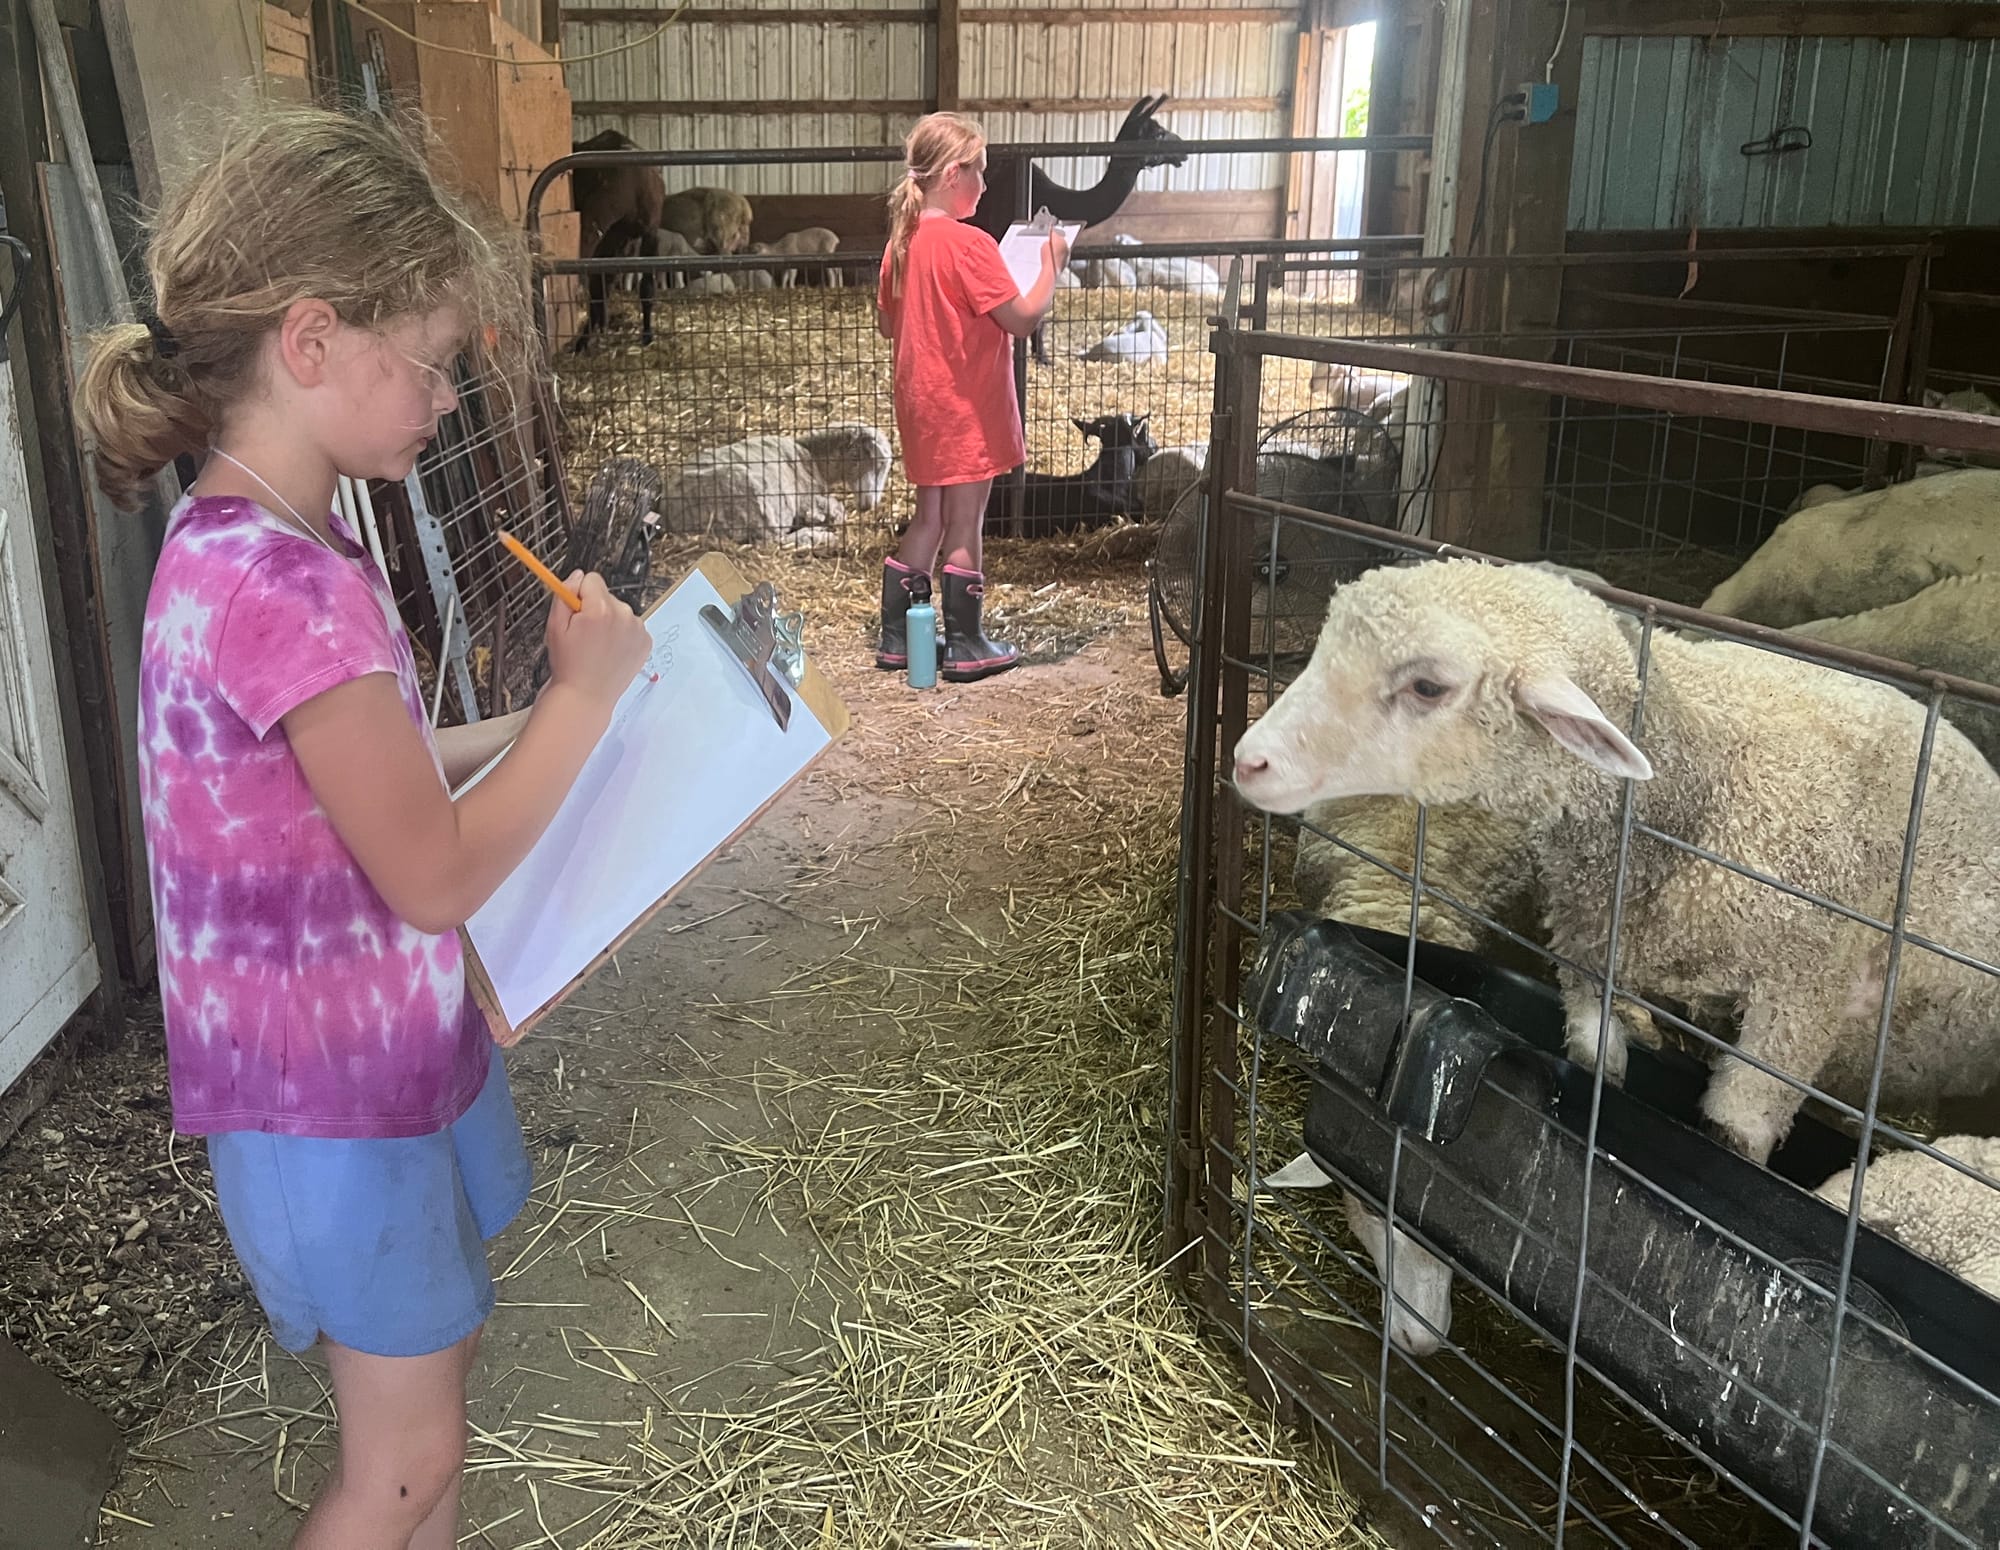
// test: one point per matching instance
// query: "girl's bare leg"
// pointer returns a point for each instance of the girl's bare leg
(402, 1445)
(919, 549)
(440, 1530)
(964, 523)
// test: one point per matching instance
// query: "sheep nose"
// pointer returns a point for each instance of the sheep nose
(1249, 765)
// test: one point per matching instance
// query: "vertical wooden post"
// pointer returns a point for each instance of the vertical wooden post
(1489, 479)
(1305, 120)
(947, 92)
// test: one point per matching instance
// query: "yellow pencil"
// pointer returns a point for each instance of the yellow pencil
(541, 572)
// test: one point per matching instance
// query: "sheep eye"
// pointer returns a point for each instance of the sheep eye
(1429, 690)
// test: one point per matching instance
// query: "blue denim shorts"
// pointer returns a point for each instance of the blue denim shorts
(379, 1244)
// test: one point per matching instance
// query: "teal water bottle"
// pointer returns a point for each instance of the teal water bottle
(920, 631)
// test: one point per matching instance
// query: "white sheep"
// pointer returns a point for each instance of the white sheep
(1350, 387)
(1420, 1309)
(1952, 627)
(778, 488)
(1482, 860)
(807, 242)
(713, 220)
(1931, 1208)
(661, 243)
(1141, 342)
(1172, 274)
(754, 279)
(1166, 476)
(1459, 682)
(714, 283)
(1096, 273)
(1863, 551)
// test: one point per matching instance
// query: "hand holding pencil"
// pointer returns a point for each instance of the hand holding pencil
(596, 643)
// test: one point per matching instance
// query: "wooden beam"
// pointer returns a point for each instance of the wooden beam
(1268, 16)
(947, 54)
(1790, 19)
(883, 107)
(987, 16)
(891, 107)
(1123, 104)
(654, 17)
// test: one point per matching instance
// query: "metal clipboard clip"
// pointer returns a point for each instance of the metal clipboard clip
(765, 642)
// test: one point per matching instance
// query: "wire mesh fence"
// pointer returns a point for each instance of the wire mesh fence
(692, 361)
(493, 466)
(1601, 1048)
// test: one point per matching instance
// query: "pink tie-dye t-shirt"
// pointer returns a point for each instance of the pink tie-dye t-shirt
(296, 1002)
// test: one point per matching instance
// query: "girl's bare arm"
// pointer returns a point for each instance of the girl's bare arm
(1024, 314)
(465, 750)
(435, 861)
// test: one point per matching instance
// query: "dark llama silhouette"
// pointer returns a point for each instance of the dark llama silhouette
(1000, 206)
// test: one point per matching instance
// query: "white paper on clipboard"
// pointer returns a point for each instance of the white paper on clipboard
(1021, 249)
(691, 757)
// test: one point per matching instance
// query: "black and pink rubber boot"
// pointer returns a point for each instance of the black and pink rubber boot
(893, 655)
(968, 655)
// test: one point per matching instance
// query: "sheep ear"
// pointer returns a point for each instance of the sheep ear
(1572, 718)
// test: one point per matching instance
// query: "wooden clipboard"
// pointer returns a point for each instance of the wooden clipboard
(812, 691)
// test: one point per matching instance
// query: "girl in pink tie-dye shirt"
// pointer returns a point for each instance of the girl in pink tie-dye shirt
(312, 283)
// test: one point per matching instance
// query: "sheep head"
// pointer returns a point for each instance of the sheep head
(1449, 681)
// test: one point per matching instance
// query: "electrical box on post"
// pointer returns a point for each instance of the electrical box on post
(1542, 98)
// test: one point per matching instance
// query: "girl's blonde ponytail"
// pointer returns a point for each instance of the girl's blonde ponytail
(138, 410)
(906, 206)
(938, 145)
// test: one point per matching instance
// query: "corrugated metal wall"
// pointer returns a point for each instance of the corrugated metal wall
(1123, 60)
(888, 68)
(760, 66)
(1673, 132)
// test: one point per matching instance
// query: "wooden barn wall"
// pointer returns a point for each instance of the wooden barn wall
(765, 76)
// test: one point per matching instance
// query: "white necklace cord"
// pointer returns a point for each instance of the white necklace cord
(290, 510)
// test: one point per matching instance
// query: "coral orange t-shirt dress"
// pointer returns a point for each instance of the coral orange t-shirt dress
(955, 405)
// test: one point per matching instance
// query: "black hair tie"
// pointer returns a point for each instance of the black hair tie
(165, 345)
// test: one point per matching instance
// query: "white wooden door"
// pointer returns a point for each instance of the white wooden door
(47, 962)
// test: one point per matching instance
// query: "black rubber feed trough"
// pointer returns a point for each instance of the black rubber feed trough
(1721, 1346)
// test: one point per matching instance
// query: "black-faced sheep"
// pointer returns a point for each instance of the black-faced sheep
(778, 488)
(1509, 688)
(1095, 497)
